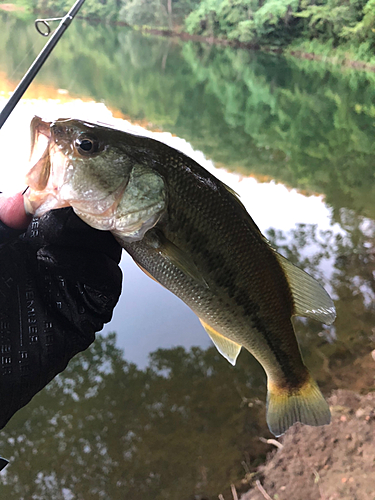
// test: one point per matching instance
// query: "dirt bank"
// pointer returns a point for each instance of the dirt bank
(335, 462)
(11, 7)
(338, 61)
(200, 38)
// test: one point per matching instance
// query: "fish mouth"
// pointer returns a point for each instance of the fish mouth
(37, 127)
(42, 193)
(39, 154)
(38, 175)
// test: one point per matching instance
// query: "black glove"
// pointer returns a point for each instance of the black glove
(59, 283)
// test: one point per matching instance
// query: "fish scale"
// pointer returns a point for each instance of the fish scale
(233, 267)
(189, 232)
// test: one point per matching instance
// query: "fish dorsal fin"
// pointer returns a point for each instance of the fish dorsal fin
(227, 348)
(235, 195)
(310, 298)
(245, 213)
(231, 190)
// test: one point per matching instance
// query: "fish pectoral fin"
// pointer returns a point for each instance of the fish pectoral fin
(180, 260)
(310, 298)
(286, 406)
(227, 348)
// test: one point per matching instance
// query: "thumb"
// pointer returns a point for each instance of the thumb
(12, 211)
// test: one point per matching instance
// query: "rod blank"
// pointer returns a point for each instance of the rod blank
(38, 63)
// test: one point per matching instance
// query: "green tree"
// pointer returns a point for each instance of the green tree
(330, 19)
(316, 25)
(145, 12)
(104, 10)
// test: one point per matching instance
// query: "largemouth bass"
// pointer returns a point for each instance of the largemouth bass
(189, 232)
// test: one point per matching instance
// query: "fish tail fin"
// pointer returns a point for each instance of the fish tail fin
(286, 406)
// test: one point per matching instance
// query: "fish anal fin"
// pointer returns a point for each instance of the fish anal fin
(310, 298)
(227, 348)
(286, 407)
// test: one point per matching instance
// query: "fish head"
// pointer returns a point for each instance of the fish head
(74, 163)
(96, 170)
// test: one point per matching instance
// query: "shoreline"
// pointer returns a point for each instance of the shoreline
(328, 462)
(335, 60)
(333, 461)
(299, 54)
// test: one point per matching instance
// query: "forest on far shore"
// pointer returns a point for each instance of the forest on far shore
(340, 28)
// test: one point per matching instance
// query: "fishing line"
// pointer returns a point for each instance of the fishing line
(41, 58)
(38, 23)
(14, 72)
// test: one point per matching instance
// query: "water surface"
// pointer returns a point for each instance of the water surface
(295, 139)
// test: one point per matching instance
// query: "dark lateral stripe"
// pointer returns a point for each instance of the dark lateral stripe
(227, 278)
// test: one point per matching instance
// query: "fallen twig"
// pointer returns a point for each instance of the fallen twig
(271, 441)
(317, 482)
(262, 490)
(234, 492)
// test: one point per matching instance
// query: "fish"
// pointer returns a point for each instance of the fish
(189, 232)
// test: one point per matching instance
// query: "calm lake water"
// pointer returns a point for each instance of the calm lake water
(153, 412)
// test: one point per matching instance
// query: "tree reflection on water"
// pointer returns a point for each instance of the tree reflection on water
(189, 424)
(105, 429)
(300, 122)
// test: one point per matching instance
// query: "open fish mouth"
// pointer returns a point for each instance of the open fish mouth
(46, 177)
(39, 156)
(38, 176)
(39, 129)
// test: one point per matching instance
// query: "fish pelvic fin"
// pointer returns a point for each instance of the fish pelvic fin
(227, 348)
(310, 298)
(286, 406)
(147, 273)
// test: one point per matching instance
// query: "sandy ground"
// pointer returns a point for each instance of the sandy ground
(334, 462)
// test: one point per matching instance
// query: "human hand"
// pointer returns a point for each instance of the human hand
(12, 212)
(59, 283)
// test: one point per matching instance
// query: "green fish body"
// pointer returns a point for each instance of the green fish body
(189, 232)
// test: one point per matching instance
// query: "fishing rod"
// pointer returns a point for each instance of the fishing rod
(41, 58)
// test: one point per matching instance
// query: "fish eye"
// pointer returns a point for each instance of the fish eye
(87, 144)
